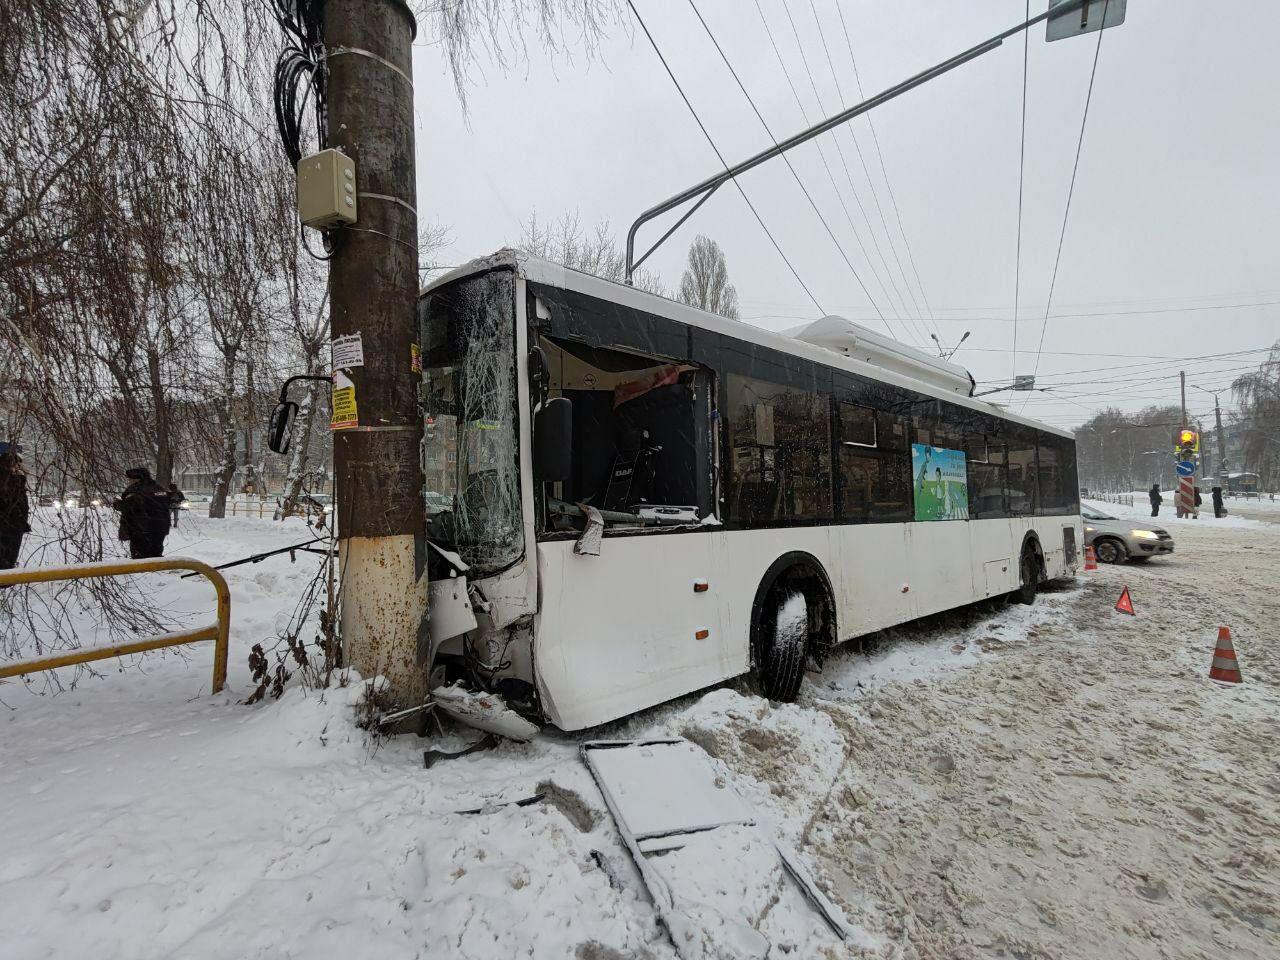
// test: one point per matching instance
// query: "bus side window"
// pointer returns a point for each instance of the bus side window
(1021, 490)
(779, 453)
(1059, 491)
(1049, 471)
(988, 482)
(875, 468)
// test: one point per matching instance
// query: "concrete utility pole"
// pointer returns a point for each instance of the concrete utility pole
(373, 283)
(1222, 443)
(1182, 375)
(1217, 429)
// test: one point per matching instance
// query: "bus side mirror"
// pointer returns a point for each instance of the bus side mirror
(280, 431)
(553, 440)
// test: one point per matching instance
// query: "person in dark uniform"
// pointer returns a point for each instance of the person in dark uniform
(144, 514)
(15, 509)
(1156, 499)
(1219, 511)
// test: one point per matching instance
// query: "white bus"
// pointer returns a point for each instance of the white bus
(623, 491)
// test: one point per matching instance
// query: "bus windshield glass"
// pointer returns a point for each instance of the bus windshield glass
(468, 394)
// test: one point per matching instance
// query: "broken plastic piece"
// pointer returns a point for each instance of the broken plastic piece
(484, 711)
(588, 544)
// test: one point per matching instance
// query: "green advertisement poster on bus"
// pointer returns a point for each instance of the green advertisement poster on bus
(941, 483)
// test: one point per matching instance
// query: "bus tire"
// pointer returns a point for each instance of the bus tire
(1029, 571)
(782, 658)
(780, 666)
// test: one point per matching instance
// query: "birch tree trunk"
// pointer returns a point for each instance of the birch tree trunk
(218, 505)
(300, 457)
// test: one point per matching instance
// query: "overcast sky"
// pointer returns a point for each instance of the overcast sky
(1174, 223)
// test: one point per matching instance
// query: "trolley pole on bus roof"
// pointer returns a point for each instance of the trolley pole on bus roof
(373, 284)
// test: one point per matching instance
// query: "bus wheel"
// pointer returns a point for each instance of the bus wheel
(1030, 568)
(785, 644)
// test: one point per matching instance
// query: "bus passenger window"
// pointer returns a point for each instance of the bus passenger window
(780, 453)
(1021, 490)
(1059, 491)
(988, 483)
(875, 468)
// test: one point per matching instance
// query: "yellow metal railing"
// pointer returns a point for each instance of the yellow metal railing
(218, 631)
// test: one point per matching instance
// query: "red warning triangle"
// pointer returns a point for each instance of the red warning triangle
(1125, 603)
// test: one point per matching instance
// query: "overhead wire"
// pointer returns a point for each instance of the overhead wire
(790, 167)
(1022, 162)
(653, 43)
(844, 163)
(1075, 167)
(875, 138)
(875, 194)
(822, 155)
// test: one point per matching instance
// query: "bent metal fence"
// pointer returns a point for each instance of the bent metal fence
(218, 631)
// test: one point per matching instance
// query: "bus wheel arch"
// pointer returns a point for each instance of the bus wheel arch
(781, 671)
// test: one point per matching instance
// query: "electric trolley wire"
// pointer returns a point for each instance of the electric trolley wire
(1022, 162)
(787, 160)
(1075, 167)
(804, 59)
(875, 194)
(875, 138)
(653, 43)
(1193, 307)
(875, 242)
(822, 154)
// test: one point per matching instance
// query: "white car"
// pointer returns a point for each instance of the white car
(1115, 540)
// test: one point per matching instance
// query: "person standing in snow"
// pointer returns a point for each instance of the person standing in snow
(176, 499)
(144, 514)
(1199, 500)
(1219, 511)
(1156, 499)
(15, 508)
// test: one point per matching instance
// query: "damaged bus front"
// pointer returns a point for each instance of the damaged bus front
(536, 440)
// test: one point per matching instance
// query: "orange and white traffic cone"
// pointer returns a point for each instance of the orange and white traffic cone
(1225, 668)
(1090, 559)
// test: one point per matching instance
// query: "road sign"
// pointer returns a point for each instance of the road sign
(1186, 468)
(1083, 19)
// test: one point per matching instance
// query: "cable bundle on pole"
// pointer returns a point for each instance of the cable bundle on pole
(300, 72)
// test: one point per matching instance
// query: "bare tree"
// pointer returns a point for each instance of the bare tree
(1258, 394)
(597, 253)
(499, 28)
(705, 282)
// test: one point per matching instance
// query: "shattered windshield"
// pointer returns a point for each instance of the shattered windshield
(468, 399)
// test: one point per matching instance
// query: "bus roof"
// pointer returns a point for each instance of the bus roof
(552, 274)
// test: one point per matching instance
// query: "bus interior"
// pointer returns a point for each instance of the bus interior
(642, 442)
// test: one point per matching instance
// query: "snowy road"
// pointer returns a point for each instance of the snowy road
(1086, 792)
(1056, 781)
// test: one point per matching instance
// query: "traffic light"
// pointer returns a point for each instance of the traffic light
(1186, 443)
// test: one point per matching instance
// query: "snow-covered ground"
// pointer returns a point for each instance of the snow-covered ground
(1049, 781)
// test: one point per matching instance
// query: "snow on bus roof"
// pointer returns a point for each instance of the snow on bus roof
(878, 367)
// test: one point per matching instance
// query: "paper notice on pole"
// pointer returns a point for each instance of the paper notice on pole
(415, 358)
(343, 403)
(346, 352)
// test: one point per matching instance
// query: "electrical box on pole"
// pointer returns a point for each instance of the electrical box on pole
(1079, 19)
(327, 190)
